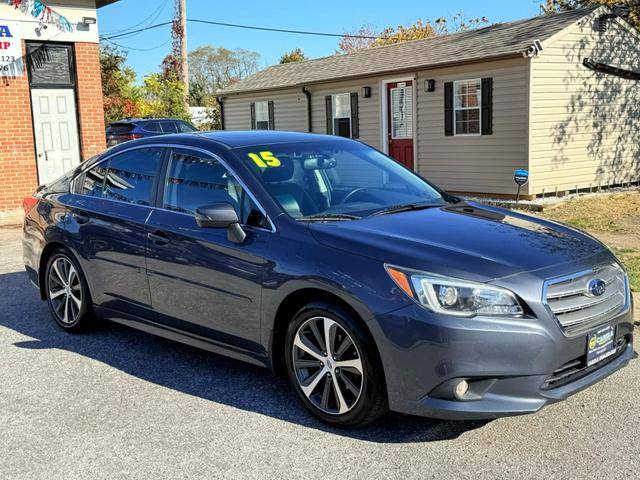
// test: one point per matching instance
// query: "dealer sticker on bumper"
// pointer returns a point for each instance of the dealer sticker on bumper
(600, 345)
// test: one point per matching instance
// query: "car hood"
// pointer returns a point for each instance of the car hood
(465, 240)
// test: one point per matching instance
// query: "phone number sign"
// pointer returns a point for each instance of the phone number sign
(10, 49)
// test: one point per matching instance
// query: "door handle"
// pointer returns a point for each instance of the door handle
(80, 217)
(159, 238)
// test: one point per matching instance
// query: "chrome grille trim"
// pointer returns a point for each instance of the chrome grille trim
(574, 309)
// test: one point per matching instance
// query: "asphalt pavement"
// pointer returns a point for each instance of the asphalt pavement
(118, 403)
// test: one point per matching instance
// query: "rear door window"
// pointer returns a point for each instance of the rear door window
(131, 176)
(169, 127)
(153, 127)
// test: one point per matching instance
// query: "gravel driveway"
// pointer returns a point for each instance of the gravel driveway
(119, 403)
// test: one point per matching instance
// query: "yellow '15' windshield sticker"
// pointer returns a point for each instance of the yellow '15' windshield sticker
(264, 159)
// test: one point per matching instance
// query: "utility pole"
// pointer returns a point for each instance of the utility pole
(182, 12)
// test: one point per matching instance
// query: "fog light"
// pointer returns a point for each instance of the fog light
(461, 389)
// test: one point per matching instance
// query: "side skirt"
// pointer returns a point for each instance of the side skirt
(180, 336)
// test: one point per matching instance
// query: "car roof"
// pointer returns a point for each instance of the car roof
(141, 120)
(248, 138)
(228, 140)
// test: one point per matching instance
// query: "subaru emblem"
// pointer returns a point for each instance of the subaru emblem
(596, 287)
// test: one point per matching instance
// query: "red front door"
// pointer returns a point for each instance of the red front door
(400, 121)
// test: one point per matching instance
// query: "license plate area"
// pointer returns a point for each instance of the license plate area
(601, 345)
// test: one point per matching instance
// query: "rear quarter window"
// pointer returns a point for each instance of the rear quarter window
(119, 128)
(185, 127)
(93, 180)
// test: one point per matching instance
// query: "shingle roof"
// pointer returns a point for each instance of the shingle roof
(501, 39)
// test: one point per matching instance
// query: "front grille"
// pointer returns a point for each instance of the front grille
(577, 368)
(575, 307)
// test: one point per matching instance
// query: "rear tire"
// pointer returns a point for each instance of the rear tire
(334, 367)
(67, 292)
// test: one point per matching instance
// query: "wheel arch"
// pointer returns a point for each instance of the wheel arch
(44, 259)
(296, 300)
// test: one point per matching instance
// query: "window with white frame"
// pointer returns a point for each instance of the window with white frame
(341, 113)
(467, 101)
(402, 112)
(262, 115)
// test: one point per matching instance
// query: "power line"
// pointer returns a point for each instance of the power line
(153, 16)
(151, 27)
(280, 30)
(247, 27)
(124, 47)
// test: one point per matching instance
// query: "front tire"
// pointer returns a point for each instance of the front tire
(333, 366)
(67, 292)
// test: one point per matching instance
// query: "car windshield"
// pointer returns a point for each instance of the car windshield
(336, 180)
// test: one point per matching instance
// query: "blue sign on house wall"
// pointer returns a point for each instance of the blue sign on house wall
(521, 177)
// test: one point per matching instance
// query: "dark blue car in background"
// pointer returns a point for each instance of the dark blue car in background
(324, 259)
(135, 128)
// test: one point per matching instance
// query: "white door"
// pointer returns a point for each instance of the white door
(56, 130)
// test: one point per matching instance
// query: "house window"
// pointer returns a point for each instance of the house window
(262, 115)
(467, 100)
(341, 114)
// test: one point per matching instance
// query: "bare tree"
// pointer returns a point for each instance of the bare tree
(211, 68)
(354, 41)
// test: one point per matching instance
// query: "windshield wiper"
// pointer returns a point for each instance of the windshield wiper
(329, 216)
(406, 207)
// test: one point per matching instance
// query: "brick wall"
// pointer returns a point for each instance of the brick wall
(18, 174)
(92, 133)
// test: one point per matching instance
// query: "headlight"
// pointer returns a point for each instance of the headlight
(455, 297)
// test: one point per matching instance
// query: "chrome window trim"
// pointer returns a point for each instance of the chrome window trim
(185, 147)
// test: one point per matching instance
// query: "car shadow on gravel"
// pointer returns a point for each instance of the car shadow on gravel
(193, 371)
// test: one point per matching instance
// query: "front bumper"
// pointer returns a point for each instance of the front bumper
(421, 350)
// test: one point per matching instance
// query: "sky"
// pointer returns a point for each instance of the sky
(147, 49)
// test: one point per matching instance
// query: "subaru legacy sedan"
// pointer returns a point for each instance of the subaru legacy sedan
(325, 260)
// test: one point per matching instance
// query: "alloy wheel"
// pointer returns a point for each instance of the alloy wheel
(327, 365)
(65, 291)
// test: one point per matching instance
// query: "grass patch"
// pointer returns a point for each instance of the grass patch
(615, 219)
(630, 257)
(618, 213)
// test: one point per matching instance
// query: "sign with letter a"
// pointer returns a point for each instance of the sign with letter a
(11, 64)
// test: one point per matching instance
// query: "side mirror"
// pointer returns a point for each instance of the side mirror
(221, 215)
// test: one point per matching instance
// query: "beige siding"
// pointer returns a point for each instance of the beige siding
(289, 110)
(486, 163)
(585, 126)
(368, 108)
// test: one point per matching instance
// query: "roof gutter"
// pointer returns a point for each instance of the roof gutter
(307, 94)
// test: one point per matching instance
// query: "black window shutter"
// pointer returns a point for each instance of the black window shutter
(328, 108)
(253, 115)
(448, 109)
(487, 106)
(271, 117)
(355, 119)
